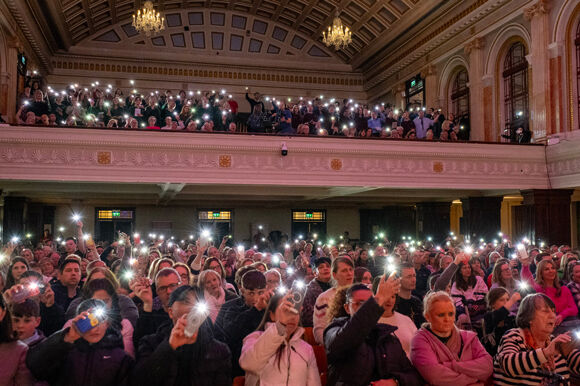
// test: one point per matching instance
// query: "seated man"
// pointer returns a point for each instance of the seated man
(154, 314)
(360, 350)
(169, 357)
(233, 326)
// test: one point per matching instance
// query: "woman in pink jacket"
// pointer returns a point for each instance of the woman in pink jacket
(444, 354)
(548, 283)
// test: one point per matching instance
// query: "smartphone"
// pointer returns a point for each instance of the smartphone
(297, 296)
(92, 320)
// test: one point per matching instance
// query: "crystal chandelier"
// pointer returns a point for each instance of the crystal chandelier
(338, 35)
(147, 20)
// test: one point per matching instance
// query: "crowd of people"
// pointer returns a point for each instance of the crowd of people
(154, 311)
(208, 111)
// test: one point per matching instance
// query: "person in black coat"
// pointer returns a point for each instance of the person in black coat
(361, 351)
(169, 357)
(69, 357)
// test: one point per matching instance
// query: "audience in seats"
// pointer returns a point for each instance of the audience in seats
(217, 111)
(156, 311)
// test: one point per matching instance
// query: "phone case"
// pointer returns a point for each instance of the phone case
(88, 323)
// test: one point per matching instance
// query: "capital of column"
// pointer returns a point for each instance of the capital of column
(475, 44)
(429, 70)
(542, 7)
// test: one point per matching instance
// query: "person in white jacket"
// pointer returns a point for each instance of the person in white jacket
(275, 353)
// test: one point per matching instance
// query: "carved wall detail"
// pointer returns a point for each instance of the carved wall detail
(41, 154)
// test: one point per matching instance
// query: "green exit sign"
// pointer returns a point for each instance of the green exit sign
(116, 214)
(309, 214)
(413, 83)
(215, 214)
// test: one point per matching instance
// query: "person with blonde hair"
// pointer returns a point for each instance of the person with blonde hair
(215, 295)
(444, 354)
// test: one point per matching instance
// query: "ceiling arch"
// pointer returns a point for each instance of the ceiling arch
(373, 22)
(214, 32)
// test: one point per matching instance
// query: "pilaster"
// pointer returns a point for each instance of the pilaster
(474, 50)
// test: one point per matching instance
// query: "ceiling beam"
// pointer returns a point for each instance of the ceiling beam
(305, 12)
(89, 16)
(113, 7)
(168, 192)
(279, 10)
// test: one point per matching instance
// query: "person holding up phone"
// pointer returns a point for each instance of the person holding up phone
(91, 349)
(362, 351)
(275, 352)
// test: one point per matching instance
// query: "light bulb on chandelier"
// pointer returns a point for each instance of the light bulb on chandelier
(147, 20)
(338, 35)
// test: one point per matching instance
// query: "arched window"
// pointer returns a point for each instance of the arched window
(460, 95)
(515, 86)
(577, 41)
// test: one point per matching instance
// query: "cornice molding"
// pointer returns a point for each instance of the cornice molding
(37, 153)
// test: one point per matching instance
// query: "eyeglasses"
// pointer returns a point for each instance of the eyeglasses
(164, 288)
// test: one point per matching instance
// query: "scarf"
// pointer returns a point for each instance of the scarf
(531, 343)
(454, 342)
(214, 304)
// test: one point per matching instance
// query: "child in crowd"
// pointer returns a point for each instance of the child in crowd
(498, 320)
(13, 370)
(25, 322)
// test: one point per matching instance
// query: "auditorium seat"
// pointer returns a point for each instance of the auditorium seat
(309, 336)
(239, 381)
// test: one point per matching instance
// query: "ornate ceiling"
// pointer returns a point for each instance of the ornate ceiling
(375, 23)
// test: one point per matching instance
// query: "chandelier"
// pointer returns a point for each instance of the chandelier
(338, 35)
(147, 20)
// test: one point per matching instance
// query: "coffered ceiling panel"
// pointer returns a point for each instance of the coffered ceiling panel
(374, 23)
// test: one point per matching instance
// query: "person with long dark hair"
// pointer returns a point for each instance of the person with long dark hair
(17, 267)
(275, 353)
(469, 292)
(13, 370)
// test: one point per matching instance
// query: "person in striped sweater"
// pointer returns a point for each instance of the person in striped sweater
(528, 355)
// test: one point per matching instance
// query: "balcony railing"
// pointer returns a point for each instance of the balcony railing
(32, 153)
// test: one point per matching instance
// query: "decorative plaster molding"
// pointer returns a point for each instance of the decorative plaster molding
(475, 44)
(46, 154)
(542, 7)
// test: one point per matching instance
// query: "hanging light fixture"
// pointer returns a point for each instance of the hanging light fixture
(147, 20)
(338, 35)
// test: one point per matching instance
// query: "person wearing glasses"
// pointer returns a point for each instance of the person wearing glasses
(153, 312)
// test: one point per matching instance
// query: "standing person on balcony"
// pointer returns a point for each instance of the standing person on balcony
(257, 100)
(422, 123)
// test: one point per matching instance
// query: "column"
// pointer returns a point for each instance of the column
(474, 51)
(9, 81)
(490, 133)
(507, 214)
(544, 216)
(399, 91)
(430, 89)
(481, 217)
(539, 60)
(557, 99)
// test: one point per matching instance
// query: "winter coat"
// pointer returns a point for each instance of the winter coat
(360, 351)
(80, 363)
(297, 365)
(13, 371)
(439, 365)
(207, 362)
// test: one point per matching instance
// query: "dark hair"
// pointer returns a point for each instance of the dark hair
(493, 296)
(353, 288)
(68, 260)
(95, 285)
(461, 283)
(6, 333)
(271, 308)
(71, 238)
(240, 273)
(322, 260)
(359, 272)
(182, 294)
(166, 272)
(10, 281)
(32, 274)
(89, 304)
(528, 307)
(212, 259)
(26, 308)
(253, 280)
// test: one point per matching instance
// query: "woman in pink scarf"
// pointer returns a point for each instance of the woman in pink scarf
(444, 354)
(214, 293)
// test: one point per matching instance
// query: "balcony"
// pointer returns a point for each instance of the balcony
(136, 156)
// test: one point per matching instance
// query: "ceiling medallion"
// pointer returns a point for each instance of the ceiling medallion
(147, 20)
(338, 35)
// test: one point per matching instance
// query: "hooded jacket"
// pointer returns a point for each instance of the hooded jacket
(207, 362)
(297, 365)
(360, 351)
(80, 363)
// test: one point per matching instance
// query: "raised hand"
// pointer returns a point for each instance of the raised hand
(178, 337)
